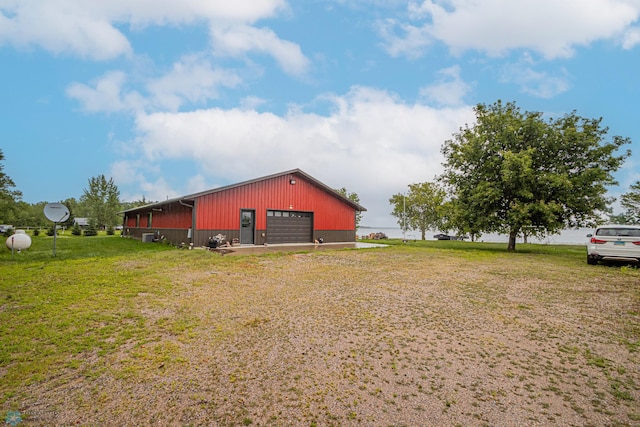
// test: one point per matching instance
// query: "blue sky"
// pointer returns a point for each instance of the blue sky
(174, 97)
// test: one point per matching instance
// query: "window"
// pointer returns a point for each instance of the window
(618, 232)
(149, 215)
(289, 214)
(137, 220)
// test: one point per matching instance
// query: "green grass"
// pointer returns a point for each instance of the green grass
(54, 308)
(484, 247)
(69, 247)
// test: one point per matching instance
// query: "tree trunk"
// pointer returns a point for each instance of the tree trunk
(512, 241)
(423, 234)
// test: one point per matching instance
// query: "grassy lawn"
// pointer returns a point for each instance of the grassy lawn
(112, 331)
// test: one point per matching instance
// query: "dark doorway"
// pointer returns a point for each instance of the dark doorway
(247, 227)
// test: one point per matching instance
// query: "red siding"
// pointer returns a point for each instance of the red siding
(172, 216)
(130, 221)
(222, 210)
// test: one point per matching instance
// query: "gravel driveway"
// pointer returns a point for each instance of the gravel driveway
(376, 337)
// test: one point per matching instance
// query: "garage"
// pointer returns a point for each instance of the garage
(286, 207)
(289, 227)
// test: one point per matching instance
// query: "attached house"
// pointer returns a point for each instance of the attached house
(287, 207)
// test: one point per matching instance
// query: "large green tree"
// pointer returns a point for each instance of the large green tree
(8, 196)
(463, 221)
(518, 173)
(31, 215)
(631, 204)
(72, 204)
(422, 208)
(102, 201)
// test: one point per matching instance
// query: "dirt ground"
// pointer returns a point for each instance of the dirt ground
(366, 338)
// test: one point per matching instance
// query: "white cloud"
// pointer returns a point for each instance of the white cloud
(106, 94)
(161, 12)
(631, 38)
(372, 143)
(90, 28)
(157, 190)
(550, 27)
(196, 184)
(401, 39)
(191, 80)
(61, 28)
(125, 172)
(238, 40)
(251, 102)
(449, 90)
(537, 83)
(128, 172)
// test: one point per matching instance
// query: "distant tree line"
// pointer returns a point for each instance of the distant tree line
(99, 203)
(518, 174)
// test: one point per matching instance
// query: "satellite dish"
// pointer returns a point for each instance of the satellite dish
(56, 212)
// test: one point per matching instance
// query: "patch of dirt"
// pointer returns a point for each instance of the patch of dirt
(366, 338)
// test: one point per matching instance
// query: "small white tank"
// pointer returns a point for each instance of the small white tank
(19, 241)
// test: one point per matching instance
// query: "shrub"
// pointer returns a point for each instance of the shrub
(110, 230)
(36, 231)
(51, 230)
(76, 230)
(91, 230)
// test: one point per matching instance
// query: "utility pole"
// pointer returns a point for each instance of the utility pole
(404, 218)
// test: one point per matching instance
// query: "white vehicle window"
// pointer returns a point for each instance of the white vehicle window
(618, 232)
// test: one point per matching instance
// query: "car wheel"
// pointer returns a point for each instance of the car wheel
(591, 260)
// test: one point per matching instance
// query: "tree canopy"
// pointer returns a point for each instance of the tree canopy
(421, 208)
(631, 204)
(8, 196)
(102, 200)
(463, 221)
(516, 172)
(354, 198)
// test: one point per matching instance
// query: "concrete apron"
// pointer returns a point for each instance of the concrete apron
(292, 247)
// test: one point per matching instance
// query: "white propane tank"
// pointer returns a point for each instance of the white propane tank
(19, 241)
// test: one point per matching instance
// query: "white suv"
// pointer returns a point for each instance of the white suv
(614, 243)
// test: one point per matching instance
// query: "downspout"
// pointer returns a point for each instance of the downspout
(192, 231)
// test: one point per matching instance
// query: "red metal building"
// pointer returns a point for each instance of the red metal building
(288, 207)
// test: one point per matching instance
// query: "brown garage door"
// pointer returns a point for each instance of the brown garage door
(289, 227)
